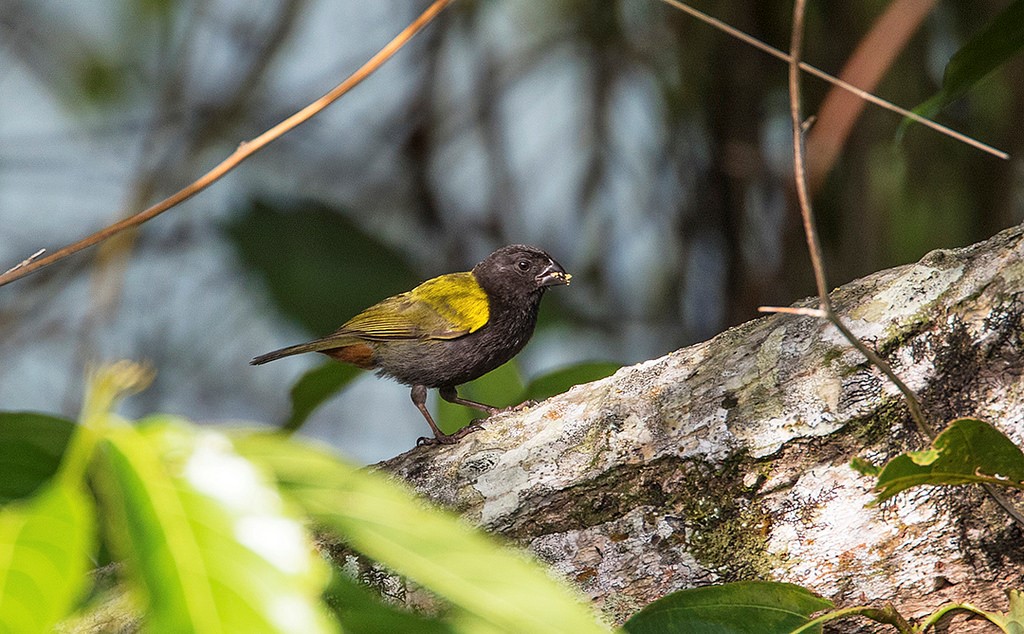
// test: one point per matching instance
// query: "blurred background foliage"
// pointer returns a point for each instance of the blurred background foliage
(647, 152)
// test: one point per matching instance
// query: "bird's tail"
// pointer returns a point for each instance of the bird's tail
(318, 345)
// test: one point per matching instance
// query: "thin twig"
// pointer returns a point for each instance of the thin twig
(887, 615)
(794, 310)
(835, 81)
(817, 262)
(244, 151)
(952, 609)
(810, 231)
(1002, 500)
(813, 244)
(29, 260)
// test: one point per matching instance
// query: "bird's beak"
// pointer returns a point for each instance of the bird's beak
(553, 275)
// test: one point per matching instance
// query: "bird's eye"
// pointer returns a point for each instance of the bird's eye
(524, 265)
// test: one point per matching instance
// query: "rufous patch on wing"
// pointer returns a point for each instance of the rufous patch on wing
(358, 354)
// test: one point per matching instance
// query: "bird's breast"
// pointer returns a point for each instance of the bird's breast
(438, 363)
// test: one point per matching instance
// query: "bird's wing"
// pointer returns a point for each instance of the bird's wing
(444, 307)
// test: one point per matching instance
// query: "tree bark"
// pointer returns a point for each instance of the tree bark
(728, 460)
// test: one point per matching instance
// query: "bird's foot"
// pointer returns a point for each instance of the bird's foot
(449, 439)
(427, 441)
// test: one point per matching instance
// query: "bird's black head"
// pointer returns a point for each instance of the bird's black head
(519, 271)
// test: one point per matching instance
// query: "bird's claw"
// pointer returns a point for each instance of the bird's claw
(448, 439)
(469, 429)
(427, 441)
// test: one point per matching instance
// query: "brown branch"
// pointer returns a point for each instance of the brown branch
(244, 151)
(807, 68)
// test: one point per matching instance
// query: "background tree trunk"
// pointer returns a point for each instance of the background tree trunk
(729, 459)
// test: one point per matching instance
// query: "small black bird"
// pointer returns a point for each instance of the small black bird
(448, 330)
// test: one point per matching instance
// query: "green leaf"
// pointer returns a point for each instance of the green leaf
(361, 611)
(315, 387)
(745, 607)
(500, 588)
(559, 381)
(865, 467)
(924, 457)
(46, 542)
(968, 451)
(100, 78)
(319, 267)
(1013, 621)
(209, 543)
(31, 448)
(986, 51)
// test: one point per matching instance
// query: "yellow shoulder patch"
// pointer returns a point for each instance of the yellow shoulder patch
(458, 299)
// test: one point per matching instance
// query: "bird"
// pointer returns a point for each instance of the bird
(447, 331)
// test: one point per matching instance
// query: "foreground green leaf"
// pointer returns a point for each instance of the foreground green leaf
(361, 611)
(31, 448)
(745, 607)
(202, 534)
(499, 588)
(968, 451)
(46, 542)
(315, 387)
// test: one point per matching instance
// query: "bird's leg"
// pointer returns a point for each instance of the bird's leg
(419, 398)
(450, 394)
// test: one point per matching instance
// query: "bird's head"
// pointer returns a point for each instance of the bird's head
(519, 270)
